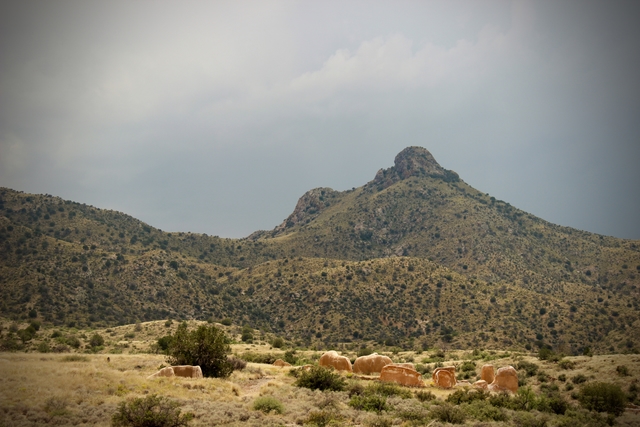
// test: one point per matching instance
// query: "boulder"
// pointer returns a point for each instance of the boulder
(333, 359)
(444, 377)
(481, 384)
(487, 373)
(187, 371)
(406, 365)
(401, 375)
(164, 372)
(506, 380)
(281, 363)
(372, 363)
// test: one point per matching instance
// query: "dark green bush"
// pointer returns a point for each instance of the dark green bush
(164, 343)
(323, 418)
(448, 413)
(372, 403)
(425, 396)
(464, 396)
(603, 397)
(468, 366)
(268, 404)
(387, 389)
(320, 378)
(207, 346)
(578, 379)
(150, 411)
(236, 363)
(96, 340)
(530, 369)
(529, 419)
(482, 410)
(266, 358)
(566, 364)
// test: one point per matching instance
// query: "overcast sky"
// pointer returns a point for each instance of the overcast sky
(215, 117)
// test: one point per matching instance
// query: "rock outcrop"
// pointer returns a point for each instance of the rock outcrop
(333, 359)
(401, 375)
(184, 371)
(506, 380)
(444, 377)
(281, 363)
(370, 364)
(487, 373)
(406, 365)
(481, 384)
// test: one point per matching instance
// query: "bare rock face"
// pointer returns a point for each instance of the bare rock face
(333, 359)
(412, 161)
(370, 364)
(281, 363)
(506, 380)
(444, 377)
(487, 373)
(309, 206)
(401, 375)
(185, 371)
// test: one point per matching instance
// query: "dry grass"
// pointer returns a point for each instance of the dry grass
(53, 389)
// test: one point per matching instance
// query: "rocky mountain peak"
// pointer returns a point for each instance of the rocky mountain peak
(412, 161)
(416, 161)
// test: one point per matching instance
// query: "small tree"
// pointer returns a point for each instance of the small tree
(96, 340)
(206, 346)
(603, 397)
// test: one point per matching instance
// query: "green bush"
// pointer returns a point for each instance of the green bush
(425, 396)
(578, 379)
(528, 419)
(320, 378)
(268, 404)
(364, 351)
(529, 368)
(96, 340)
(387, 389)
(482, 410)
(266, 358)
(468, 366)
(278, 342)
(603, 397)
(164, 343)
(236, 364)
(372, 403)
(322, 418)
(150, 411)
(207, 346)
(465, 396)
(566, 364)
(448, 413)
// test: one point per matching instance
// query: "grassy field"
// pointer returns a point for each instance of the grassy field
(86, 389)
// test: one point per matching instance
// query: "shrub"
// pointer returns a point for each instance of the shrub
(448, 413)
(268, 404)
(43, 347)
(378, 421)
(461, 396)
(206, 346)
(74, 358)
(96, 340)
(578, 379)
(524, 400)
(322, 418)
(529, 368)
(365, 351)
(425, 396)
(622, 370)
(468, 366)
(278, 342)
(153, 410)
(164, 343)
(566, 364)
(320, 378)
(236, 363)
(387, 389)
(266, 358)
(603, 397)
(527, 419)
(484, 411)
(372, 403)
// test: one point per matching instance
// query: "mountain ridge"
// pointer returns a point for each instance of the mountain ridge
(414, 243)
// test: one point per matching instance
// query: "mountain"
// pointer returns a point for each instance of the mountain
(397, 260)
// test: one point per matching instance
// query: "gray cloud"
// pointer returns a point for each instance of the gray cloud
(216, 117)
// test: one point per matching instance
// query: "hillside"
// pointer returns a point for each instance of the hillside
(397, 261)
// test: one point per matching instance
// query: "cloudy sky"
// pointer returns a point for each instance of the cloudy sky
(215, 116)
